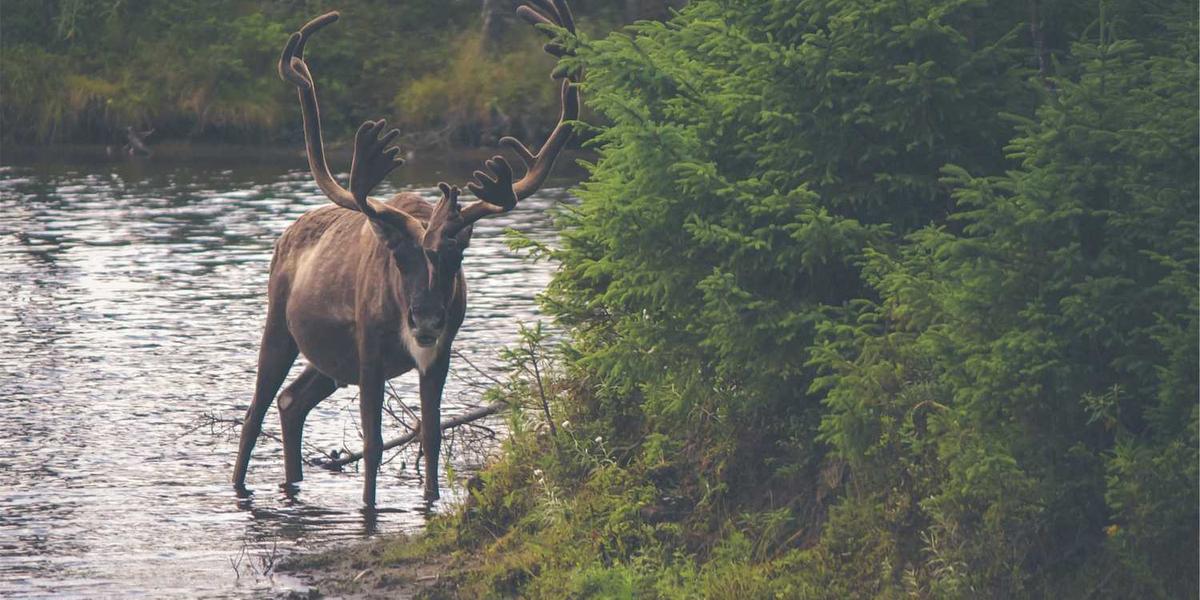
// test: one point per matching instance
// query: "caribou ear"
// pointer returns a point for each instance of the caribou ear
(396, 228)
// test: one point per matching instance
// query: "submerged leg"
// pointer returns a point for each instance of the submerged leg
(275, 357)
(370, 407)
(432, 382)
(297, 399)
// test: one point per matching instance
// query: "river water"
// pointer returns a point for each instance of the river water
(132, 295)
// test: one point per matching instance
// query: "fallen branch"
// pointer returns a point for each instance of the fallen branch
(335, 464)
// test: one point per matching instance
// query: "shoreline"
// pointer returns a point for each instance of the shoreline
(423, 166)
(391, 566)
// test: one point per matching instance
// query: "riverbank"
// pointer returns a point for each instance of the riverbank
(401, 567)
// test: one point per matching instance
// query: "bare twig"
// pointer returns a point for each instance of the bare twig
(266, 562)
(473, 415)
(218, 425)
(387, 407)
(489, 376)
(537, 376)
(251, 562)
(237, 564)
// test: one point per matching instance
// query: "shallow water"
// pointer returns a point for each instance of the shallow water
(132, 296)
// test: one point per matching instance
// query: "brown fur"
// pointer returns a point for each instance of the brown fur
(330, 258)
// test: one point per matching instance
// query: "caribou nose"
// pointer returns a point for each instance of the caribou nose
(427, 320)
(427, 325)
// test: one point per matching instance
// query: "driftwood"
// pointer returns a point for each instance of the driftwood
(335, 464)
(136, 145)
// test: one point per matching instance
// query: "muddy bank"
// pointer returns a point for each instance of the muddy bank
(393, 567)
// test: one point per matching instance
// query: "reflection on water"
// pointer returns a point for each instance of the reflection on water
(131, 304)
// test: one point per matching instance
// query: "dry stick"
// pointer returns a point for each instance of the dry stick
(211, 420)
(463, 419)
(537, 376)
(402, 405)
(489, 376)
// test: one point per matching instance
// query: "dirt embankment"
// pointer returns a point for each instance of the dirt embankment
(392, 568)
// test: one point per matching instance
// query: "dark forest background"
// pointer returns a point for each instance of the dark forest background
(457, 71)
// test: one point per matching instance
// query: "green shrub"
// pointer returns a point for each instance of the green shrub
(1025, 386)
(874, 300)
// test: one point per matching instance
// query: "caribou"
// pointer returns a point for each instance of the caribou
(367, 289)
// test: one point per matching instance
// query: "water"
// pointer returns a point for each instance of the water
(132, 296)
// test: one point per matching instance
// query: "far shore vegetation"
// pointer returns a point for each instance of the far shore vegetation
(448, 72)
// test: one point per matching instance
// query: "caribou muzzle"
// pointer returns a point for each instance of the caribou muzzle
(427, 325)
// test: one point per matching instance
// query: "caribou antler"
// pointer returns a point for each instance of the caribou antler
(372, 161)
(293, 68)
(497, 192)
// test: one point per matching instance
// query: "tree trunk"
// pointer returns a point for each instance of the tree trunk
(493, 12)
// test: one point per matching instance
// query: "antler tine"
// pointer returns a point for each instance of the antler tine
(546, 6)
(287, 70)
(565, 18)
(548, 12)
(535, 17)
(314, 26)
(373, 161)
(538, 169)
(446, 220)
(293, 53)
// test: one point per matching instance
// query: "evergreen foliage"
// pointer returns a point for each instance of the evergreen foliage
(870, 299)
(1031, 380)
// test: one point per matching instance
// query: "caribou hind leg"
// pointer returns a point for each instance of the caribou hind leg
(297, 399)
(275, 357)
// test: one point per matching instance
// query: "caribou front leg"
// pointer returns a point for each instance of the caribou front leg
(370, 407)
(432, 382)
